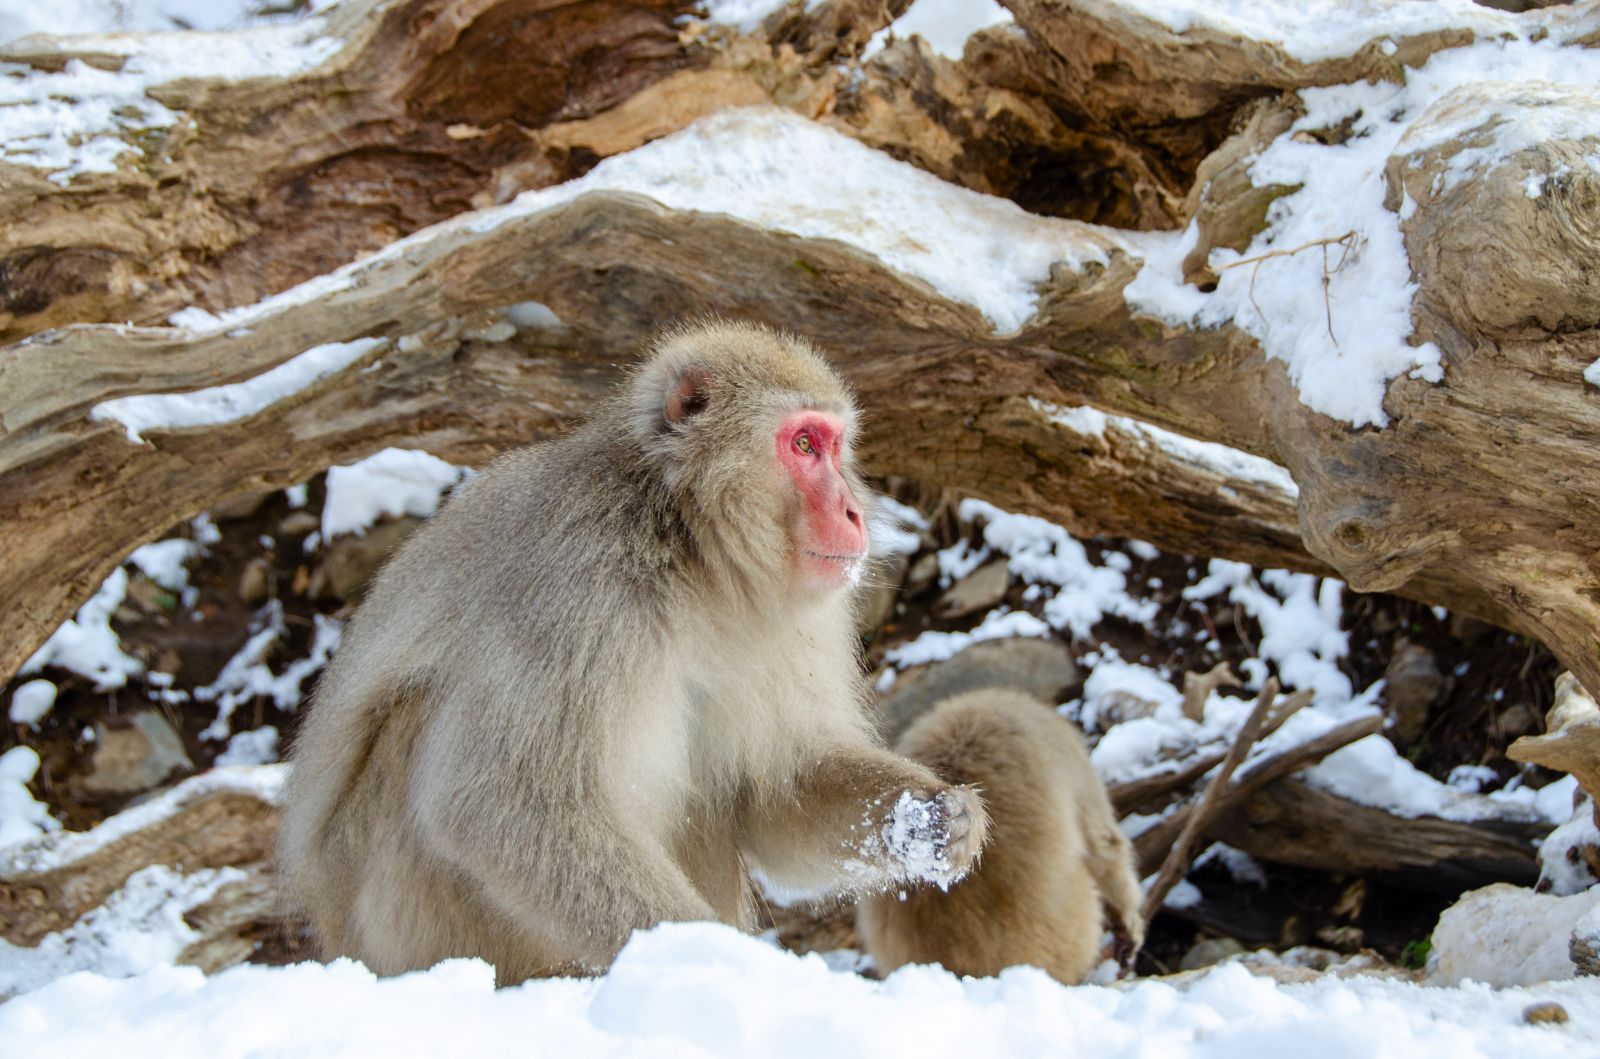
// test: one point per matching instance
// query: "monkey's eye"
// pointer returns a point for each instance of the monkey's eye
(803, 443)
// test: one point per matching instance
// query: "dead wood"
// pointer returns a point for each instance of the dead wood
(430, 108)
(1176, 864)
(1294, 823)
(1151, 845)
(1571, 742)
(46, 889)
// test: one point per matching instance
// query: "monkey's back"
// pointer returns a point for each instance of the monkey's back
(1032, 899)
(350, 852)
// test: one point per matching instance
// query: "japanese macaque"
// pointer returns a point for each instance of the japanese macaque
(615, 675)
(1056, 871)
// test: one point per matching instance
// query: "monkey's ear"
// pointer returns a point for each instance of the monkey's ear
(690, 395)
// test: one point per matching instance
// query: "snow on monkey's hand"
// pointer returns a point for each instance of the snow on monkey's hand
(936, 838)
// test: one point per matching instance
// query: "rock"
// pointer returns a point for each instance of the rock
(1544, 1012)
(1466, 628)
(134, 757)
(348, 562)
(1208, 951)
(299, 523)
(1041, 668)
(240, 507)
(875, 603)
(1583, 949)
(980, 590)
(1504, 935)
(256, 582)
(1413, 683)
(922, 574)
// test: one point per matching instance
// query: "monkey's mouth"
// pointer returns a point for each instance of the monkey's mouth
(840, 568)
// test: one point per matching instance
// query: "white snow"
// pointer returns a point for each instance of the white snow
(1334, 302)
(65, 847)
(1505, 935)
(944, 24)
(895, 528)
(1313, 30)
(698, 990)
(166, 562)
(1230, 463)
(259, 746)
(22, 818)
(230, 403)
(138, 928)
(1591, 374)
(247, 675)
(390, 483)
(785, 173)
(87, 645)
(1299, 617)
(31, 702)
(1560, 862)
(23, 17)
(746, 15)
(936, 646)
(82, 119)
(1371, 772)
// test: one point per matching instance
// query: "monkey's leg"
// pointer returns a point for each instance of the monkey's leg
(1109, 858)
(573, 882)
(860, 819)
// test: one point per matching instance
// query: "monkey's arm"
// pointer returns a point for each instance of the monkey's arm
(858, 819)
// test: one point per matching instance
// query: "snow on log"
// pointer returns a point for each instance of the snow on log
(1328, 322)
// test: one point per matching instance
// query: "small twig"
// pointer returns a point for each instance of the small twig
(1129, 795)
(1176, 865)
(1348, 241)
(1197, 688)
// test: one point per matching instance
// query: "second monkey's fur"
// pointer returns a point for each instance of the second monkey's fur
(1056, 870)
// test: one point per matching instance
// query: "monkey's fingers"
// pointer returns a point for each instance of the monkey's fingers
(935, 839)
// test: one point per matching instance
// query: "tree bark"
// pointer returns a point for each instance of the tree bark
(431, 108)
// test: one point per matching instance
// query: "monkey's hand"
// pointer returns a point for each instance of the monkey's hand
(936, 838)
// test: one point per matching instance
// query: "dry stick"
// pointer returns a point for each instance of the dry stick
(1130, 794)
(1177, 862)
(1259, 774)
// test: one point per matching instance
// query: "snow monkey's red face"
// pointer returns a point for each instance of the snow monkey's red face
(832, 547)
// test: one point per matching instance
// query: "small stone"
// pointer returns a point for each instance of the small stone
(133, 758)
(349, 562)
(980, 590)
(1466, 628)
(256, 582)
(240, 507)
(1043, 669)
(875, 603)
(1544, 1012)
(1412, 684)
(298, 524)
(1209, 951)
(922, 574)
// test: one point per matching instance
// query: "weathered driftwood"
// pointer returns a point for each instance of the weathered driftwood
(1294, 823)
(1151, 845)
(433, 107)
(1206, 807)
(47, 889)
(1571, 742)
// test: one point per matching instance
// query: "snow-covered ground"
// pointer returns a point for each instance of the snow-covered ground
(698, 990)
(107, 985)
